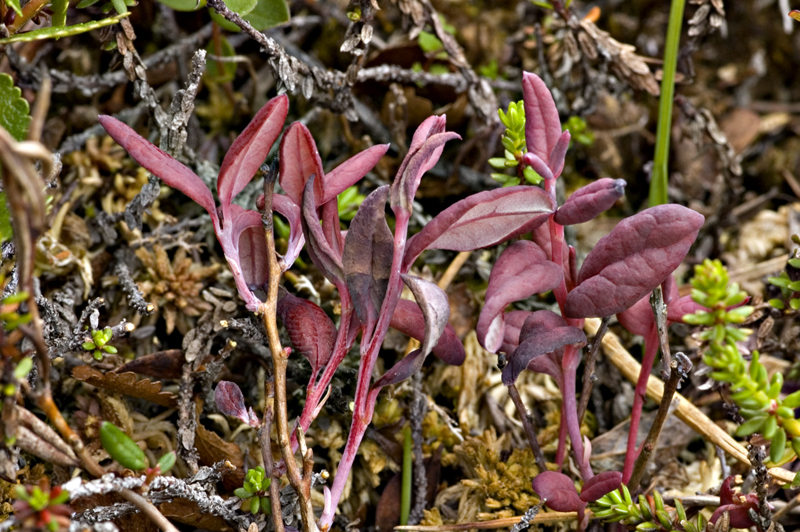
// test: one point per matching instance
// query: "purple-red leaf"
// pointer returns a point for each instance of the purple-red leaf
(514, 321)
(299, 159)
(311, 330)
(559, 153)
(435, 309)
(521, 271)
(634, 258)
(429, 127)
(169, 170)
(639, 318)
(253, 256)
(405, 368)
(351, 171)
(539, 166)
(600, 485)
(559, 491)
(423, 159)
(408, 319)
(367, 257)
(481, 220)
(318, 248)
(589, 201)
(737, 507)
(541, 334)
(542, 124)
(291, 211)
(230, 401)
(250, 149)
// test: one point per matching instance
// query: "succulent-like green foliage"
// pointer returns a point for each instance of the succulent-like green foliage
(790, 288)
(99, 343)
(514, 144)
(644, 515)
(43, 509)
(757, 396)
(254, 491)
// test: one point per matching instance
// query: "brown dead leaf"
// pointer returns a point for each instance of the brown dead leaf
(741, 128)
(212, 449)
(188, 513)
(127, 384)
(161, 365)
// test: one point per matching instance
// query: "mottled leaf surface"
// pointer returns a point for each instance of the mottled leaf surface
(559, 490)
(311, 330)
(367, 257)
(521, 271)
(634, 258)
(588, 202)
(481, 220)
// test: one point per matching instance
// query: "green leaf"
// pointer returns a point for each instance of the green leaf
(57, 33)
(6, 229)
(796, 481)
(166, 462)
(776, 303)
(184, 5)
(777, 446)
(752, 425)
(89, 346)
(255, 505)
(23, 368)
(429, 42)
(242, 493)
(15, 117)
(14, 4)
(213, 71)
(119, 6)
(268, 14)
(121, 447)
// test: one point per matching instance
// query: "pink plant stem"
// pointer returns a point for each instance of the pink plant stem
(569, 365)
(650, 351)
(364, 403)
(561, 451)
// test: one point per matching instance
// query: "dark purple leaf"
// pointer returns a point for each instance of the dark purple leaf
(589, 201)
(556, 161)
(736, 506)
(513, 324)
(405, 368)
(169, 170)
(409, 320)
(542, 124)
(429, 127)
(639, 318)
(423, 159)
(634, 258)
(351, 171)
(600, 485)
(230, 401)
(291, 211)
(318, 248)
(367, 257)
(250, 148)
(481, 220)
(311, 330)
(435, 309)
(299, 160)
(521, 271)
(540, 335)
(559, 491)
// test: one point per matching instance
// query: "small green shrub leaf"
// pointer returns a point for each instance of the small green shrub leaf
(67, 31)
(121, 447)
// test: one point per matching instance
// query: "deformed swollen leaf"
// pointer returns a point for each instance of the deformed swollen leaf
(409, 320)
(634, 258)
(481, 220)
(367, 257)
(588, 202)
(521, 271)
(435, 308)
(600, 485)
(559, 490)
(311, 330)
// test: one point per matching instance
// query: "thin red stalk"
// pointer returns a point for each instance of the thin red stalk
(571, 358)
(650, 352)
(561, 451)
(365, 398)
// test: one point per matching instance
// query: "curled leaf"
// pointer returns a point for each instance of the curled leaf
(435, 308)
(588, 202)
(409, 320)
(318, 247)
(405, 368)
(367, 257)
(559, 491)
(634, 258)
(521, 271)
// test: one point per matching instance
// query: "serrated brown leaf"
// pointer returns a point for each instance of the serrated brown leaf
(212, 449)
(126, 384)
(161, 364)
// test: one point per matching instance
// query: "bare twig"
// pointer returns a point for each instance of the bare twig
(660, 314)
(417, 415)
(588, 368)
(266, 454)
(680, 369)
(541, 463)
